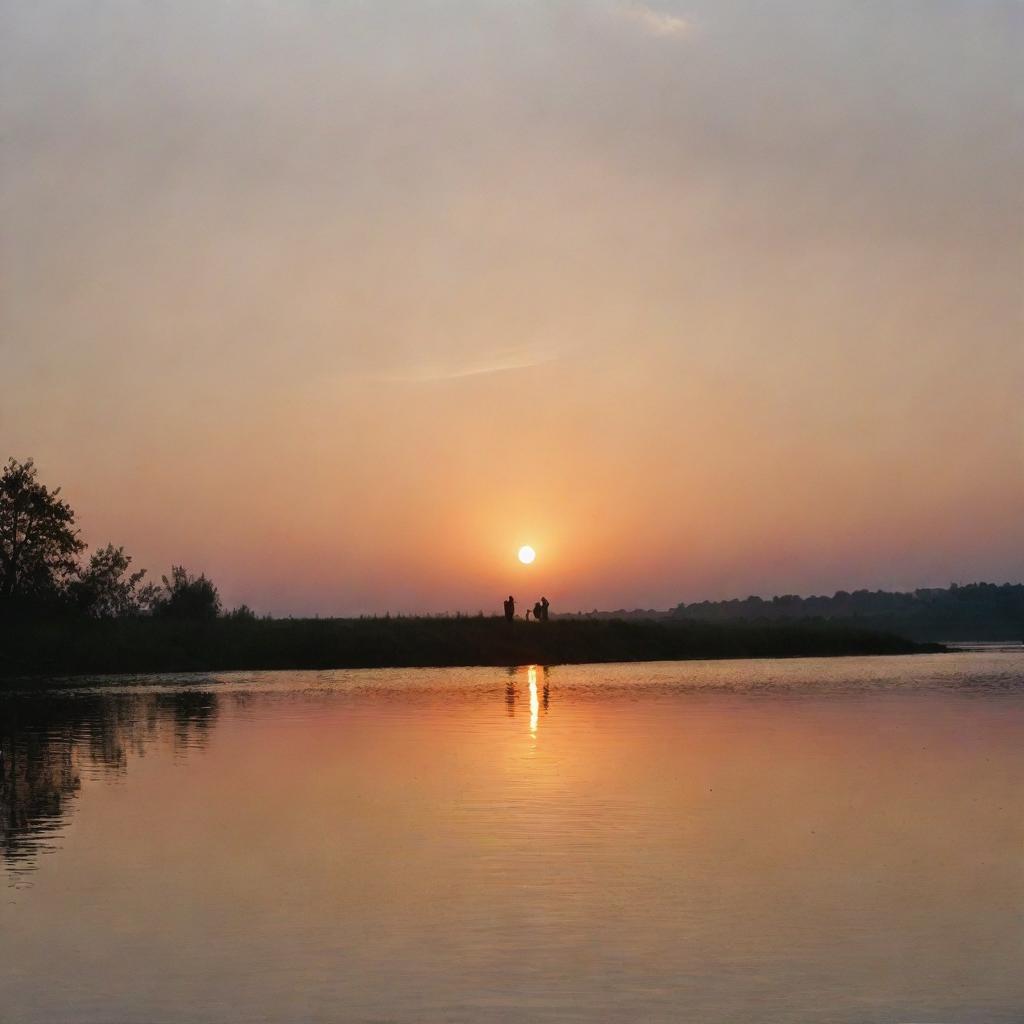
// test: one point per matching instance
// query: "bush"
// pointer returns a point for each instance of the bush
(187, 597)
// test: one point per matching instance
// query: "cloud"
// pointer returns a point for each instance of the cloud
(656, 23)
(499, 363)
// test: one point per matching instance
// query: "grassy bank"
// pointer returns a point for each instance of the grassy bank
(79, 646)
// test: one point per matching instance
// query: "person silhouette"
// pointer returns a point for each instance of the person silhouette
(544, 608)
(538, 611)
(510, 608)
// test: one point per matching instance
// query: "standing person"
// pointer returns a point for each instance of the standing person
(544, 608)
(510, 608)
(538, 612)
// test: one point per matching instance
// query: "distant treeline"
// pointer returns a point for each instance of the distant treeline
(975, 611)
(78, 645)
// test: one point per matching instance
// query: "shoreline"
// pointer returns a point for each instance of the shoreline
(141, 646)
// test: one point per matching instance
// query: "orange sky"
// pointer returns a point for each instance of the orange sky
(343, 303)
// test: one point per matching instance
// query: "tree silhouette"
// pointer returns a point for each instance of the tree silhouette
(106, 589)
(39, 544)
(186, 596)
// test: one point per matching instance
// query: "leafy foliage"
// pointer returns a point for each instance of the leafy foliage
(185, 596)
(39, 545)
(41, 574)
(106, 589)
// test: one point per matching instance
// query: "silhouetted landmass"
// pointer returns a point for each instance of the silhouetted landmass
(976, 611)
(160, 644)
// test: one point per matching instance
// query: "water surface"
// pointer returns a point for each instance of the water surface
(827, 840)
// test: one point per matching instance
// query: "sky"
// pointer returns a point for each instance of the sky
(342, 302)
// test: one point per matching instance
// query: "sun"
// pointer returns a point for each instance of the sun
(527, 554)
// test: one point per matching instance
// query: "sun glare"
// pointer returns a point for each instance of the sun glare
(527, 554)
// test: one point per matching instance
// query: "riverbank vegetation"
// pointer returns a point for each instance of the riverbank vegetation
(240, 641)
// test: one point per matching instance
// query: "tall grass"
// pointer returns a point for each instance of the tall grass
(74, 646)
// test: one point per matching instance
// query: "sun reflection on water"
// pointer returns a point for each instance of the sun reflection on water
(531, 675)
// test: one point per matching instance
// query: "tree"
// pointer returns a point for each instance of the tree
(186, 596)
(39, 544)
(106, 589)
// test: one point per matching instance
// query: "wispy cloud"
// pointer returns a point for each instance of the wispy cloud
(455, 371)
(655, 22)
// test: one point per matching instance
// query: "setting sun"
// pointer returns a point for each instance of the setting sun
(527, 554)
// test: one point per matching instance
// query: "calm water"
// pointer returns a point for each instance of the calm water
(799, 841)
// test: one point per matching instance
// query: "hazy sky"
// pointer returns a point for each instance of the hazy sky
(342, 302)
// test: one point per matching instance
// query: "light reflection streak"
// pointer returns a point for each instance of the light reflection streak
(531, 674)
